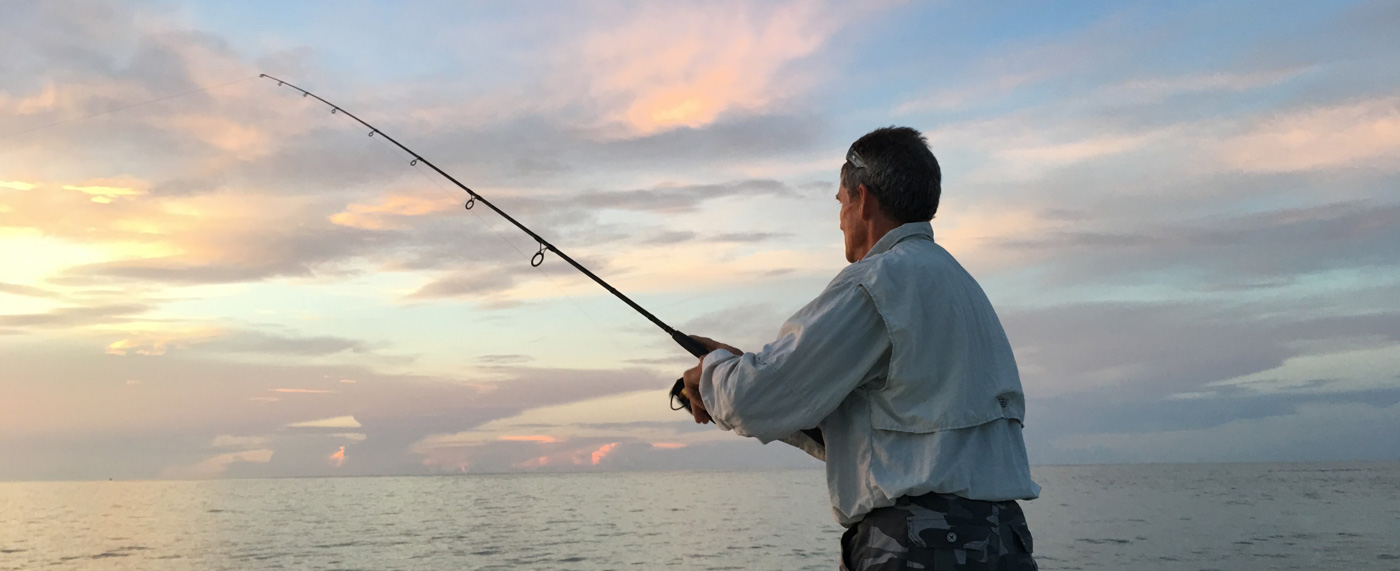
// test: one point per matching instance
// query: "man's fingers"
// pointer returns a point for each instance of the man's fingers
(711, 345)
(691, 379)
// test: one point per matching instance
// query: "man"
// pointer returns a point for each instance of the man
(903, 366)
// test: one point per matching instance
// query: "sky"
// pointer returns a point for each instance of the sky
(1185, 213)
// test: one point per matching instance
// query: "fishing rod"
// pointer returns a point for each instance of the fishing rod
(691, 345)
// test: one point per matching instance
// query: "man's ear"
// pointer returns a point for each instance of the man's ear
(869, 205)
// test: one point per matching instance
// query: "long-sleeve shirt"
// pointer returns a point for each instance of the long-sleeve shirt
(903, 366)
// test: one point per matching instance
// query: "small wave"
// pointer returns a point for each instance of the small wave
(1104, 540)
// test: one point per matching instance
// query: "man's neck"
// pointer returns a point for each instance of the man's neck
(877, 229)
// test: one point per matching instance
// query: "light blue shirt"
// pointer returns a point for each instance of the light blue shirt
(903, 365)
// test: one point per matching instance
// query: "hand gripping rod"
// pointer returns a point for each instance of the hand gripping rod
(691, 345)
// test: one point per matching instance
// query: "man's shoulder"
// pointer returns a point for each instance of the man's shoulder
(912, 255)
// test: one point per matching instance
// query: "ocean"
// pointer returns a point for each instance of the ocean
(1144, 517)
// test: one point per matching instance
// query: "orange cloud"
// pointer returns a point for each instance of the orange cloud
(338, 458)
(383, 216)
(303, 391)
(240, 139)
(602, 452)
(1321, 138)
(678, 67)
(533, 463)
(668, 445)
(540, 438)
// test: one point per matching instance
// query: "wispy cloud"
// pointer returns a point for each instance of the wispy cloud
(1359, 134)
(686, 65)
(332, 422)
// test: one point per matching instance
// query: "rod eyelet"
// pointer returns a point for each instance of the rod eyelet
(471, 202)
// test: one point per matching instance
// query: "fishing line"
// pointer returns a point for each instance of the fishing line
(125, 107)
(692, 346)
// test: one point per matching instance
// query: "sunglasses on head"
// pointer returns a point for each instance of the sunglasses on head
(854, 158)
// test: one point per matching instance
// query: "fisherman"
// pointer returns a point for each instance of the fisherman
(903, 367)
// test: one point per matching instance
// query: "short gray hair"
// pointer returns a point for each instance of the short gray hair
(896, 165)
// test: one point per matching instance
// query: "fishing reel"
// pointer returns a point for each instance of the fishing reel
(678, 395)
(694, 348)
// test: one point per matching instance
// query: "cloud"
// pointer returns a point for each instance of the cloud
(76, 316)
(1161, 87)
(530, 438)
(1357, 134)
(230, 441)
(676, 199)
(202, 400)
(602, 452)
(387, 213)
(686, 66)
(332, 422)
(1327, 431)
(26, 290)
(216, 466)
(251, 341)
(1282, 243)
(105, 191)
(510, 359)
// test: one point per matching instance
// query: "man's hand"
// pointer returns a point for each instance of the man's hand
(692, 379)
(692, 392)
(711, 345)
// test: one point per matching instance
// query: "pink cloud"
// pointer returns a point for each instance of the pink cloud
(540, 438)
(684, 66)
(387, 213)
(603, 451)
(1346, 135)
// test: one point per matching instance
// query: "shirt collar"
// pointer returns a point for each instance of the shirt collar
(897, 235)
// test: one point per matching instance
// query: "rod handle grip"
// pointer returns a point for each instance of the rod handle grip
(691, 345)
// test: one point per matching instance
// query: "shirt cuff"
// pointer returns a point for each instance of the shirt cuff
(708, 396)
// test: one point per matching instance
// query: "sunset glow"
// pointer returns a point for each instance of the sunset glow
(204, 274)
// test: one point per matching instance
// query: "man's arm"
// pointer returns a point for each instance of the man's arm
(823, 353)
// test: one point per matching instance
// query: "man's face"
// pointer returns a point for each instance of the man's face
(851, 226)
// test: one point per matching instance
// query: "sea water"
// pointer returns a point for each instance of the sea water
(1202, 516)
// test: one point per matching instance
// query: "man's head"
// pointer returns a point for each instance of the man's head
(890, 178)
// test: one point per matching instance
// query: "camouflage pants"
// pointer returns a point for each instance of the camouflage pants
(940, 532)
